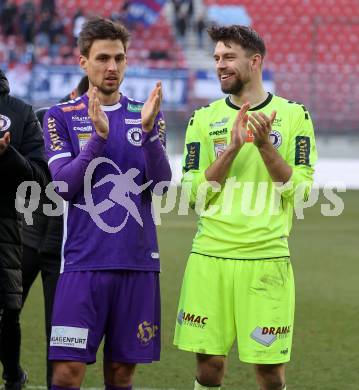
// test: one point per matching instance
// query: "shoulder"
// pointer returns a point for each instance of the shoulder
(291, 106)
(131, 105)
(66, 109)
(71, 105)
(205, 114)
(17, 105)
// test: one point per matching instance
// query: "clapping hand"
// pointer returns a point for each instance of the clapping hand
(4, 142)
(151, 108)
(239, 129)
(98, 117)
(261, 126)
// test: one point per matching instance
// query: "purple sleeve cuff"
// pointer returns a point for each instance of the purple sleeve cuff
(157, 165)
(73, 172)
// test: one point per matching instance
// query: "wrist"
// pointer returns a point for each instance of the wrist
(147, 129)
(233, 150)
(264, 146)
(102, 135)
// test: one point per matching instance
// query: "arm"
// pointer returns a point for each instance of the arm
(297, 168)
(62, 163)
(28, 163)
(157, 167)
(218, 170)
(197, 166)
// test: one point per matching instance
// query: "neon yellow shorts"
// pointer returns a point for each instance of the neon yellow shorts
(251, 299)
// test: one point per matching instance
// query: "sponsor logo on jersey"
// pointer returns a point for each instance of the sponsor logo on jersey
(82, 119)
(69, 336)
(56, 143)
(220, 145)
(277, 122)
(5, 122)
(267, 335)
(155, 255)
(83, 139)
(134, 136)
(192, 158)
(133, 121)
(83, 128)
(146, 332)
(190, 319)
(250, 136)
(134, 107)
(302, 150)
(219, 132)
(162, 130)
(220, 123)
(79, 107)
(276, 138)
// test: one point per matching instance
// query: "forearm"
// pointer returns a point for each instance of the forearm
(218, 170)
(157, 167)
(277, 167)
(73, 172)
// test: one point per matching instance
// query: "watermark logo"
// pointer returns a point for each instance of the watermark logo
(234, 197)
(124, 185)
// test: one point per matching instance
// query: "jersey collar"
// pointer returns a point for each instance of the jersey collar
(260, 106)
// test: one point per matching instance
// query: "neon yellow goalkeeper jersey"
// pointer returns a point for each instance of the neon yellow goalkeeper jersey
(249, 216)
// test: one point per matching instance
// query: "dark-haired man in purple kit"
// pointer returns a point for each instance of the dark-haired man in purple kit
(109, 150)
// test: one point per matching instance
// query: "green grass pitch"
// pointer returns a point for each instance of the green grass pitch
(326, 337)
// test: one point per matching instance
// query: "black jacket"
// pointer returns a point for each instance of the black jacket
(45, 234)
(23, 160)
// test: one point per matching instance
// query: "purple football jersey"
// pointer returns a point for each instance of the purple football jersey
(108, 222)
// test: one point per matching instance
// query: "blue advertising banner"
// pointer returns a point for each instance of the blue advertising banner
(145, 12)
(48, 84)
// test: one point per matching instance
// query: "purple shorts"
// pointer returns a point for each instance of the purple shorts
(122, 305)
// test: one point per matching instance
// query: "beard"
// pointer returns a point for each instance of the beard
(108, 90)
(233, 88)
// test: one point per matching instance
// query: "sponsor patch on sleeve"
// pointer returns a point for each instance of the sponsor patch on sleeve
(302, 150)
(56, 143)
(192, 158)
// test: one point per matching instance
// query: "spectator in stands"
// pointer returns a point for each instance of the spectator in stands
(43, 32)
(200, 26)
(21, 158)
(42, 243)
(8, 17)
(27, 24)
(78, 20)
(181, 25)
(48, 5)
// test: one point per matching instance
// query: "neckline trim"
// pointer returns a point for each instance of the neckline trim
(263, 104)
(114, 107)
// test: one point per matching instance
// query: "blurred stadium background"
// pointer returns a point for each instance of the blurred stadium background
(313, 58)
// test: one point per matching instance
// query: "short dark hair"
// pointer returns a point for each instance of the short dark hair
(248, 38)
(101, 28)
